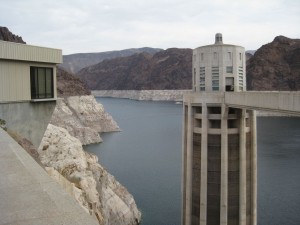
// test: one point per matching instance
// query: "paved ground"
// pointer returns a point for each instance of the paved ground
(28, 196)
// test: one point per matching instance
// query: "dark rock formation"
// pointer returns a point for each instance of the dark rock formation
(275, 66)
(75, 62)
(69, 85)
(6, 35)
(168, 69)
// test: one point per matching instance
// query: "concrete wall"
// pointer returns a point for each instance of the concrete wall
(219, 162)
(219, 56)
(28, 119)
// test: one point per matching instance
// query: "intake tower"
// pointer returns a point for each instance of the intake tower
(219, 142)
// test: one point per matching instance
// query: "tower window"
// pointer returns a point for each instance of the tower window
(229, 55)
(229, 69)
(215, 55)
(41, 81)
(202, 78)
(202, 56)
(215, 78)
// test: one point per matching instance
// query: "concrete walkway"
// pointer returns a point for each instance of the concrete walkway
(28, 196)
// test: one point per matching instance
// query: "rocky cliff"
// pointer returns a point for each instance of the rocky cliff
(275, 66)
(75, 62)
(90, 184)
(78, 111)
(83, 117)
(6, 35)
(168, 69)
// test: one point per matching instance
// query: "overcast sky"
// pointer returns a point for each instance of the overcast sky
(97, 25)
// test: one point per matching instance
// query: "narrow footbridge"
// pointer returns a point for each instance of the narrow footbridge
(278, 101)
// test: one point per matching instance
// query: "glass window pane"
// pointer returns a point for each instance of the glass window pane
(41, 83)
(49, 83)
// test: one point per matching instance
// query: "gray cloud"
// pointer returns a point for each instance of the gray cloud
(97, 25)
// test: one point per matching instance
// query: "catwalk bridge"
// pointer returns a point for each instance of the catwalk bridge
(276, 101)
(284, 102)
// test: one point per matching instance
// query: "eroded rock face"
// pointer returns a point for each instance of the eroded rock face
(95, 189)
(275, 66)
(84, 118)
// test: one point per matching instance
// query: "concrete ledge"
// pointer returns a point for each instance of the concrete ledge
(276, 101)
(28, 196)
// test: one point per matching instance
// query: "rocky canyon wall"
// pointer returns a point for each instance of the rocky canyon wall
(83, 117)
(86, 180)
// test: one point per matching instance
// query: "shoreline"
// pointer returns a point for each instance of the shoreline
(163, 95)
(143, 95)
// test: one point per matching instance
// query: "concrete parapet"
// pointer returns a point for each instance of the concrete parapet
(279, 101)
(29, 196)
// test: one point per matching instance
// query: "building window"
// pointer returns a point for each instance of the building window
(229, 69)
(41, 80)
(202, 78)
(202, 56)
(215, 55)
(215, 78)
(241, 56)
(229, 55)
(229, 84)
(241, 78)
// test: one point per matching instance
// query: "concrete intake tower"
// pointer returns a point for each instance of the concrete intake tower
(219, 184)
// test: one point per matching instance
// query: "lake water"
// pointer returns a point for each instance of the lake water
(146, 158)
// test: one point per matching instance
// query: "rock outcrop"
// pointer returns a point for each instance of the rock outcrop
(165, 70)
(83, 117)
(6, 35)
(275, 66)
(90, 184)
(69, 85)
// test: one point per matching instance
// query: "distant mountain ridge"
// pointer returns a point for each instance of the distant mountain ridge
(274, 66)
(75, 62)
(165, 70)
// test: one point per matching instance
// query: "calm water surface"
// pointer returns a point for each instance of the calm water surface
(146, 158)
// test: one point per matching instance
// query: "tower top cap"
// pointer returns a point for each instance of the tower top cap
(218, 39)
